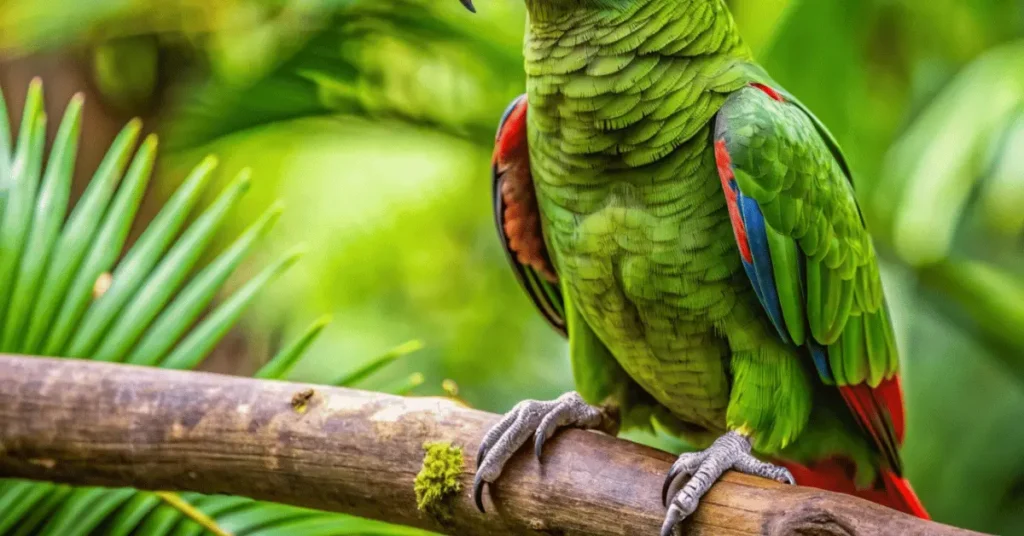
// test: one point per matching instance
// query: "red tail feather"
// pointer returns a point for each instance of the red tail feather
(890, 392)
(880, 411)
(902, 495)
(837, 475)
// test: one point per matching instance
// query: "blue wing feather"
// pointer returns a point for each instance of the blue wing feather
(821, 363)
(763, 278)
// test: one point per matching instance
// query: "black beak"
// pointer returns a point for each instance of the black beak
(469, 5)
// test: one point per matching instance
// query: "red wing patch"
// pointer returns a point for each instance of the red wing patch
(511, 141)
(521, 218)
(769, 91)
(727, 177)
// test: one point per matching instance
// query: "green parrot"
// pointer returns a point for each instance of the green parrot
(692, 228)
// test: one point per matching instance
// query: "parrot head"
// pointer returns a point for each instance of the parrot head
(565, 4)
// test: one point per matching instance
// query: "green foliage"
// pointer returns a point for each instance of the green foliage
(149, 314)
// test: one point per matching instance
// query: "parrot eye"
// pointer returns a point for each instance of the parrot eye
(469, 5)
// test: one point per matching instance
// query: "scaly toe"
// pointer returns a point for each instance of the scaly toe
(497, 432)
(750, 465)
(502, 441)
(706, 468)
(684, 466)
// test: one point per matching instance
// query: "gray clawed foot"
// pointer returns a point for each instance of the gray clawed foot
(526, 419)
(700, 470)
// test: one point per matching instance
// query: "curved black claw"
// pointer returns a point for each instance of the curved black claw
(538, 445)
(480, 453)
(665, 487)
(469, 5)
(703, 469)
(555, 419)
(525, 419)
(478, 493)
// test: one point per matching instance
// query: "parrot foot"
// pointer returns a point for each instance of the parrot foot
(702, 469)
(527, 418)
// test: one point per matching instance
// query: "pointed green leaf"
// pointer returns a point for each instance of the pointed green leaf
(147, 251)
(402, 386)
(77, 236)
(5, 154)
(263, 516)
(77, 504)
(279, 365)
(180, 314)
(29, 525)
(214, 506)
(107, 245)
(131, 514)
(165, 280)
(28, 502)
(160, 521)
(198, 344)
(84, 510)
(12, 498)
(51, 207)
(186, 507)
(331, 525)
(14, 227)
(378, 363)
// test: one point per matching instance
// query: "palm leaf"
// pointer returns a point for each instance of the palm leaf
(48, 270)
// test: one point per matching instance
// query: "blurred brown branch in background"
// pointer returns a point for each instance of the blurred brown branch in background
(359, 452)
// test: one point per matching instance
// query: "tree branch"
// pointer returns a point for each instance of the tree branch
(359, 452)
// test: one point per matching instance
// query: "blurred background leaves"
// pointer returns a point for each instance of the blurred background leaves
(373, 121)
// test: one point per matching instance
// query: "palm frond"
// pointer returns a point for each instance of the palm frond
(150, 314)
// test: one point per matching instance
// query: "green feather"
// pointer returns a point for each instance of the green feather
(839, 310)
(815, 303)
(852, 360)
(876, 333)
(786, 266)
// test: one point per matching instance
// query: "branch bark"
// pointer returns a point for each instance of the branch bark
(358, 452)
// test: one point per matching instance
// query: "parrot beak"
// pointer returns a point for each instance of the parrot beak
(469, 5)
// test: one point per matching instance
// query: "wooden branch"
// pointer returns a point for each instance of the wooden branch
(358, 452)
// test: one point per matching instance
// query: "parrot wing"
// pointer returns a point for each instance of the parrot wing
(517, 216)
(807, 252)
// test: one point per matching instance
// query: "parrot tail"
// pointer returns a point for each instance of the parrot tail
(902, 496)
(836, 475)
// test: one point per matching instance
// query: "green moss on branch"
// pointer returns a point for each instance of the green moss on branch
(438, 481)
